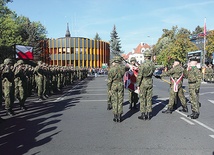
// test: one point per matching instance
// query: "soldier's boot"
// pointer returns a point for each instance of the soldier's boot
(148, 115)
(184, 109)
(167, 111)
(195, 115)
(23, 107)
(142, 116)
(199, 104)
(115, 118)
(108, 107)
(119, 119)
(10, 112)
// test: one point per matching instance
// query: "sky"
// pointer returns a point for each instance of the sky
(136, 21)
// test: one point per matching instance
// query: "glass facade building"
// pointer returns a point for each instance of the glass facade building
(78, 52)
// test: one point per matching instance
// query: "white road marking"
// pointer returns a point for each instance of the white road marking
(212, 101)
(212, 136)
(188, 121)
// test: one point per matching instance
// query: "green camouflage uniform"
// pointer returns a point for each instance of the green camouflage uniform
(145, 84)
(175, 73)
(8, 85)
(116, 88)
(20, 83)
(194, 77)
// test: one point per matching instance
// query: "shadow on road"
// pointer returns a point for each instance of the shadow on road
(34, 127)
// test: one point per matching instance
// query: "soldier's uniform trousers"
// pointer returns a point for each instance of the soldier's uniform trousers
(8, 93)
(173, 96)
(145, 95)
(194, 97)
(20, 91)
(117, 95)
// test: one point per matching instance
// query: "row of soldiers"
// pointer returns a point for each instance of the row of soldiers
(19, 80)
(209, 73)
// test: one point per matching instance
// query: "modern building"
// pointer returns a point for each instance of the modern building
(78, 51)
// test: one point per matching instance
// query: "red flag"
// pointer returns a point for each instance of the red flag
(24, 52)
(205, 29)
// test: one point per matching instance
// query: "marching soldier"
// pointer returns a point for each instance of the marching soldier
(38, 71)
(145, 86)
(116, 88)
(194, 77)
(20, 83)
(8, 85)
(176, 90)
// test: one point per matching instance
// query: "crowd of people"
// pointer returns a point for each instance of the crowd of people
(144, 87)
(19, 80)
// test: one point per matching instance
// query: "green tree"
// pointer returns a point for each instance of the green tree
(210, 43)
(3, 8)
(115, 44)
(97, 37)
(9, 35)
(198, 30)
(174, 44)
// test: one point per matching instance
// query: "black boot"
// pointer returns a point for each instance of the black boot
(115, 118)
(10, 112)
(167, 111)
(185, 109)
(148, 115)
(142, 117)
(195, 115)
(23, 107)
(109, 107)
(119, 119)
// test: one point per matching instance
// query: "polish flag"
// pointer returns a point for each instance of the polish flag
(24, 52)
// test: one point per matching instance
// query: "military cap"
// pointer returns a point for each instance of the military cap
(117, 59)
(8, 61)
(177, 60)
(147, 53)
(19, 62)
(133, 59)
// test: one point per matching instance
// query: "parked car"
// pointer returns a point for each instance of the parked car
(157, 72)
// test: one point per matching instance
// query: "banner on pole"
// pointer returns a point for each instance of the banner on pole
(24, 52)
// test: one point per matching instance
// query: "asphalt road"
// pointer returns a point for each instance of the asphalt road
(76, 122)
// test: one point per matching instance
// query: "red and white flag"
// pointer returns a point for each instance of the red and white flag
(205, 28)
(24, 52)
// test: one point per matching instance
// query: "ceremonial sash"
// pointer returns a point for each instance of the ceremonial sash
(175, 83)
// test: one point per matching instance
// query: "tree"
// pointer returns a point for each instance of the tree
(115, 44)
(198, 30)
(174, 44)
(210, 43)
(9, 35)
(3, 8)
(97, 37)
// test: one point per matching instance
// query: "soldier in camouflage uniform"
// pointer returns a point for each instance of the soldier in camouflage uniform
(176, 90)
(8, 85)
(145, 86)
(20, 83)
(133, 97)
(1, 97)
(116, 88)
(194, 77)
(109, 103)
(38, 71)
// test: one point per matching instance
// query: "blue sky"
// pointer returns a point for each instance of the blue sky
(135, 20)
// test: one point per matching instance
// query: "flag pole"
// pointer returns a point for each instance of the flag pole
(204, 51)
